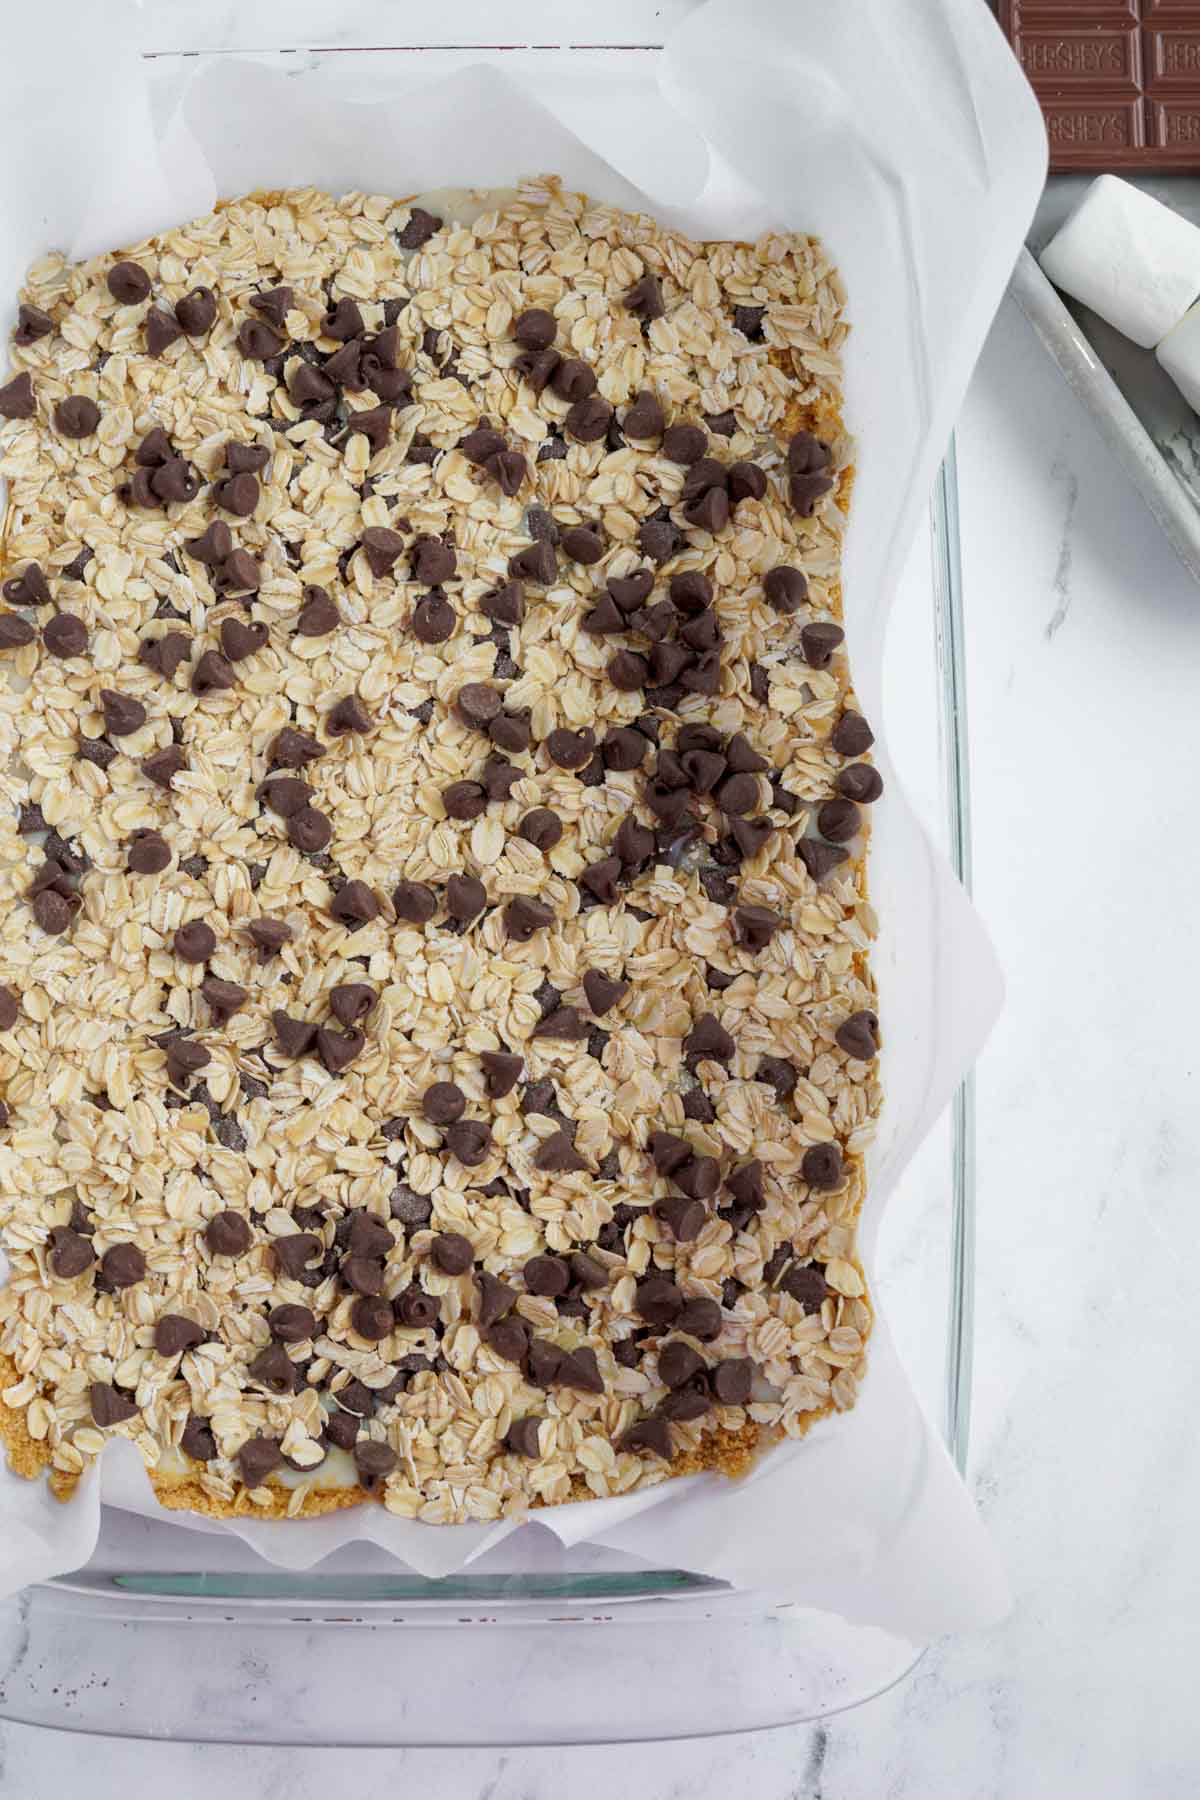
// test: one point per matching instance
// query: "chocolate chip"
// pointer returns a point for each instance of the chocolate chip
(779, 1073)
(70, 1252)
(658, 539)
(122, 715)
(858, 1036)
(749, 835)
(746, 482)
(464, 800)
(658, 1300)
(372, 1318)
(175, 1332)
(525, 915)
(628, 671)
(580, 1369)
(162, 766)
(684, 444)
(645, 298)
(295, 1037)
(570, 749)
(342, 1429)
(806, 1284)
(224, 998)
(268, 936)
(65, 635)
(499, 777)
(574, 379)
(644, 419)
(603, 879)
(363, 1274)
(197, 311)
(240, 640)
(32, 324)
(839, 821)
(349, 714)
(292, 749)
(413, 1210)
(195, 941)
(708, 1041)
(733, 1380)
(470, 1140)
(368, 1236)
(510, 731)
(237, 495)
(508, 1338)
(633, 842)
(700, 1318)
(501, 1072)
(374, 1462)
(212, 674)
(851, 736)
(165, 653)
(738, 794)
(29, 588)
(257, 341)
(433, 619)
(257, 1458)
(318, 615)
(657, 622)
(537, 563)
(818, 643)
(603, 991)
(185, 1058)
(351, 1002)
(273, 304)
(678, 1363)
(558, 1155)
(805, 490)
(292, 1324)
(162, 330)
(285, 794)
(582, 544)
(521, 1439)
(564, 1022)
(630, 591)
(535, 328)
(508, 470)
(108, 1405)
(860, 782)
(309, 830)
(354, 904)
(9, 1009)
(538, 368)
(414, 903)
(452, 1253)
(123, 1266)
(588, 420)
(372, 423)
(443, 1103)
(212, 546)
(821, 1166)
(338, 1049)
(16, 398)
(754, 927)
(819, 858)
(420, 228)
(548, 1275)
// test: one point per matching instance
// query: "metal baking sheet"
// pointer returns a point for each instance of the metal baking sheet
(1139, 410)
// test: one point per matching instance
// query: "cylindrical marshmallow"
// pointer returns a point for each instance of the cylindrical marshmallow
(1179, 354)
(1129, 258)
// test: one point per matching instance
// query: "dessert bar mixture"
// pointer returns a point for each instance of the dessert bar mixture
(437, 1046)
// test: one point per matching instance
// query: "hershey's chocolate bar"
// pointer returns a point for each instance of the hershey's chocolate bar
(1118, 83)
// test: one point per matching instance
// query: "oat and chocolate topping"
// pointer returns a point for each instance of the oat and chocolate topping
(437, 1046)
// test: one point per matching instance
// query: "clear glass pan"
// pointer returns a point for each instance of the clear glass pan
(594, 1647)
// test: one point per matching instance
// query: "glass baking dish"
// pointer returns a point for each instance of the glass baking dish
(594, 1646)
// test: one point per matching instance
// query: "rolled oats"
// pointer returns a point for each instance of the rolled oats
(137, 1114)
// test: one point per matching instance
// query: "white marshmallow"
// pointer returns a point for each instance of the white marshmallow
(1179, 354)
(1129, 258)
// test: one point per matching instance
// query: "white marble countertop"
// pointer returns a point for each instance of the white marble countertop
(1083, 641)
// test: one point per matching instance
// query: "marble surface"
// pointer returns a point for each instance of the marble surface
(1083, 642)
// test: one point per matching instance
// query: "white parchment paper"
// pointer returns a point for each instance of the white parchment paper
(918, 155)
